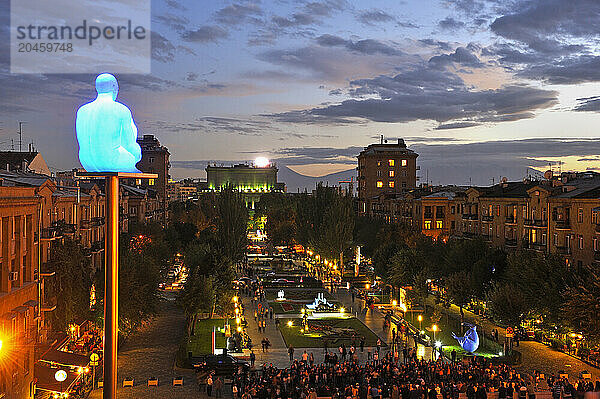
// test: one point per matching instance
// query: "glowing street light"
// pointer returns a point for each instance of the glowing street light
(342, 310)
(394, 303)
(235, 299)
(239, 329)
(420, 318)
(434, 328)
(238, 320)
(290, 323)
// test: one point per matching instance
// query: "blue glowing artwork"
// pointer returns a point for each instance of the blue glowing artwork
(470, 341)
(106, 132)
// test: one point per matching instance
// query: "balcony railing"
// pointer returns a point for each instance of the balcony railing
(510, 242)
(51, 233)
(563, 250)
(538, 246)
(470, 216)
(487, 218)
(98, 221)
(563, 224)
(428, 215)
(85, 224)
(510, 220)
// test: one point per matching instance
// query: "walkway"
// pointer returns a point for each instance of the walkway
(151, 353)
(535, 355)
(278, 353)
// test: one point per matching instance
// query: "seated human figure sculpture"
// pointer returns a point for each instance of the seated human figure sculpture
(106, 132)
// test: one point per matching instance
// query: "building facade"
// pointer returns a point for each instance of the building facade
(155, 159)
(384, 169)
(559, 215)
(251, 181)
(19, 306)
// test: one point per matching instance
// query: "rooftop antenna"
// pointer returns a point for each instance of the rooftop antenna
(12, 145)
(20, 135)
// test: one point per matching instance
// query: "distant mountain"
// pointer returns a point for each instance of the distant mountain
(295, 181)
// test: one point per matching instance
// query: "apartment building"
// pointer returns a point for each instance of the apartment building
(19, 307)
(560, 214)
(384, 170)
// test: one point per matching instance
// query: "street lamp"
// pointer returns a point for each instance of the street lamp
(394, 303)
(60, 376)
(420, 320)
(434, 328)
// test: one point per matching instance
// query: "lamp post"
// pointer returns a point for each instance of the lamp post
(420, 320)
(60, 376)
(434, 328)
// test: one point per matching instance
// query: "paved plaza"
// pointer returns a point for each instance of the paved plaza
(151, 352)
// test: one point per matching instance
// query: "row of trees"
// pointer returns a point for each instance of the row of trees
(141, 268)
(323, 220)
(211, 235)
(516, 286)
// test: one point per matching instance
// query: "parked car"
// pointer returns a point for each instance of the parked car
(221, 364)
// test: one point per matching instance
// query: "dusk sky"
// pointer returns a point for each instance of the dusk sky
(480, 89)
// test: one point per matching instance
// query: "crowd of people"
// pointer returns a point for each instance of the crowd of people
(407, 378)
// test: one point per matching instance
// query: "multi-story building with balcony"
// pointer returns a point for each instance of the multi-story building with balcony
(560, 214)
(384, 170)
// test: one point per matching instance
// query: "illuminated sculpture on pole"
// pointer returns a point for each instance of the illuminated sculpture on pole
(108, 150)
(470, 341)
(106, 132)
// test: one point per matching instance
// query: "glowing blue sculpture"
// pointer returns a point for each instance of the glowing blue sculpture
(106, 132)
(470, 341)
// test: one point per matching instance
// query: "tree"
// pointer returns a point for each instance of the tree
(383, 258)
(71, 284)
(458, 286)
(507, 304)
(543, 280)
(231, 224)
(581, 308)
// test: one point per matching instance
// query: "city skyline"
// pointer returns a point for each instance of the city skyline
(480, 89)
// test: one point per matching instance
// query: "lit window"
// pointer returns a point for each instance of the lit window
(428, 225)
(580, 242)
(379, 184)
(378, 163)
(404, 162)
(151, 182)
(391, 173)
(391, 162)
(439, 224)
(391, 184)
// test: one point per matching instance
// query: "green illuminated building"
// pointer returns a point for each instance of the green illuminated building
(250, 180)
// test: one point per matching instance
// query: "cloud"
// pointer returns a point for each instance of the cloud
(456, 125)
(205, 34)
(162, 49)
(191, 77)
(572, 70)
(450, 23)
(174, 22)
(237, 13)
(588, 104)
(444, 46)
(543, 25)
(374, 17)
(429, 94)
(367, 46)
(461, 56)
(215, 125)
(335, 63)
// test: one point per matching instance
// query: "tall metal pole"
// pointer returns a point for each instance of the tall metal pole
(111, 288)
